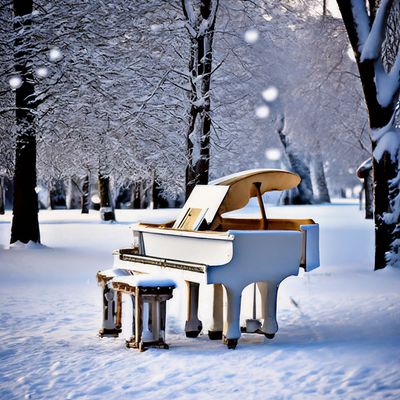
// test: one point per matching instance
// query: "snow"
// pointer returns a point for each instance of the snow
(388, 139)
(387, 84)
(190, 12)
(389, 142)
(156, 28)
(350, 54)
(153, 280)
(372, 47)
(362, 22)
(370, 43)
(338, 337)
(29, 245)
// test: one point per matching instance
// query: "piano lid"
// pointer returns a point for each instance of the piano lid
(243, 185)
(208, 202)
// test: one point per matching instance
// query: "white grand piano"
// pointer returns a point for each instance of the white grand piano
(202, 246)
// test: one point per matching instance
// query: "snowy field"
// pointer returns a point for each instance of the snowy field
(339, 335)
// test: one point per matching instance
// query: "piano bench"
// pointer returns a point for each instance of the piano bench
(149, 296)
(112, 305)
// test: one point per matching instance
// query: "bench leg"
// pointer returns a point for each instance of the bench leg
(135, 342)
(111, 325)
(146, 334)
(163, 317)
(193, 325)
(155, 320)
(138, 317)
(118, 316)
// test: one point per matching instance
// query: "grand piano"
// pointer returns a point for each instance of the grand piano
(204, 246)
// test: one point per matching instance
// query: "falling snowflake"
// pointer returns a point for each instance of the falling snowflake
(270, 94)
(42, 72)
(262, 112)
(251, 36)
(15, 82)
(55, 54)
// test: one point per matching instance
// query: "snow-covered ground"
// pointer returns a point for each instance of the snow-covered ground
(339, 335)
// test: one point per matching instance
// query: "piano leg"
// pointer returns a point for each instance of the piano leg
(215, 332)
(269, 292)
(232, 322)
(193, 325)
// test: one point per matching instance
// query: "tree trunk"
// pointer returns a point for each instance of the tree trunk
(57, 196)
(201, 34)
(136, 191)
(385, 232)
(385, 169)
(25, 224)
(145, 198)
(158, 200)
(2, 195)
(369, 196)
(106, 206)
(303, 194)
(156, 195)
(74, 194)
(320, 179)
(85, 195)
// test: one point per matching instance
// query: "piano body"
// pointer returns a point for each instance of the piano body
(205, 247)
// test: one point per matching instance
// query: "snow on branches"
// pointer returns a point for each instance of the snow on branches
(370, 41)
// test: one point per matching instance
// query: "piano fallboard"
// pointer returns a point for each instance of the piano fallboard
(194, 272)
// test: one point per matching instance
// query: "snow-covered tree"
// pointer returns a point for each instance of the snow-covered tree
(111, 92)
(200, 23)
(25, 224)
(374, 32)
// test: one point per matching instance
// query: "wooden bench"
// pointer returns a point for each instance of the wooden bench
(149, 296)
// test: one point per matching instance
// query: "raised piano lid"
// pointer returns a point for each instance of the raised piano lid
(208, 202)
(242, 187)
